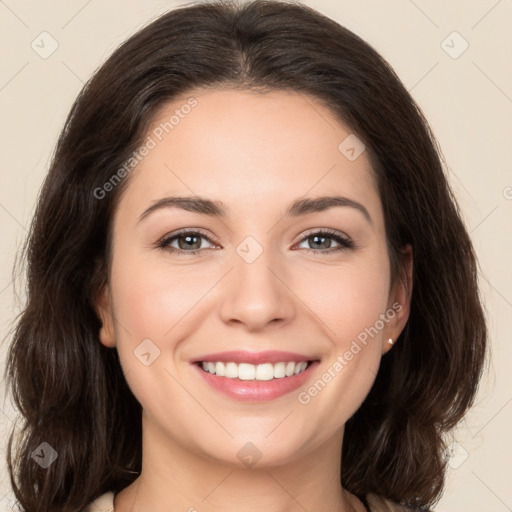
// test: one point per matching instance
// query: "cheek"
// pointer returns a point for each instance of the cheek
(154, 306)
(157, 305)
(347, 298)
(351, 306)
(350, 312)
(154, 299)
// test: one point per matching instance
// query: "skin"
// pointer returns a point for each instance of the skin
(257, 153)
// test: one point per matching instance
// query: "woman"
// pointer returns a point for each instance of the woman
(249, 286)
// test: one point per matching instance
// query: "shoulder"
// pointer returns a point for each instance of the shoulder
(105, 503)
(379, 504)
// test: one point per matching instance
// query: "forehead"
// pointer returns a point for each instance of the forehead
(249, 148)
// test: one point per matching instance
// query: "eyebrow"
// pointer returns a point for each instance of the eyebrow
(213, 208)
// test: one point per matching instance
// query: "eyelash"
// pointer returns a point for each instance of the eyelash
(345, 242)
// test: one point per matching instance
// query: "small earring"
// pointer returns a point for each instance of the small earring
(390, 341)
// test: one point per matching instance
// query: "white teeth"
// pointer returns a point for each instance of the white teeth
(300, 367)
(290, 368)
(265, 371)
(231, 371)
(279, 370)
(220, 369)
(246, 371)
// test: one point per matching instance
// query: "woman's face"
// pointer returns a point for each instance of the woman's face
(260, 286)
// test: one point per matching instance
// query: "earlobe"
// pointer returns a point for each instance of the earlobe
(399, 300)
(104, 311)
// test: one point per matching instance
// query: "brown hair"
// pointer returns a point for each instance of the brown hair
(70, 389)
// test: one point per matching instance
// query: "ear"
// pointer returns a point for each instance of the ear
(399, 303)
(103, 308)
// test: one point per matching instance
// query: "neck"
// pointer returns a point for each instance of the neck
(174, 478)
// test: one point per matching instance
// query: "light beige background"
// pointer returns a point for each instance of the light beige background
(468, 101)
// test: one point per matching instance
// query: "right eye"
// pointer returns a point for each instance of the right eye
(186, 240)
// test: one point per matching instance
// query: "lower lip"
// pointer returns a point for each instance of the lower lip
(256, 390)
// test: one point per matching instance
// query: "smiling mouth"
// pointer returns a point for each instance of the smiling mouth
(255, 377)
(254, 372)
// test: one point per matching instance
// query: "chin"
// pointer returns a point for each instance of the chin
(256, 452)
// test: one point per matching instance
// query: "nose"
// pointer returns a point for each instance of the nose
(256, 294)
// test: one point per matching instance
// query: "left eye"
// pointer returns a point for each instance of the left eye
(190, 241)
(320, 237)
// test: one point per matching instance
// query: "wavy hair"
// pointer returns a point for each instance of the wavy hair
(70, 389)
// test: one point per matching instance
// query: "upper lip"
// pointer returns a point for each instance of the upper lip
(242, 356)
